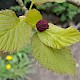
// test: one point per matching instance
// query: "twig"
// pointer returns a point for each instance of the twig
(75, 2)
(23, 7)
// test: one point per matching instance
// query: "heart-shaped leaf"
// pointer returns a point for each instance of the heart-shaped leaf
(58, 60)
(14, 31)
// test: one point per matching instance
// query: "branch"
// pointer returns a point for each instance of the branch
(75, 2)
(21, 4)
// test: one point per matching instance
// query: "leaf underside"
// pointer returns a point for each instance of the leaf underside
(58, 60)
(14, 31)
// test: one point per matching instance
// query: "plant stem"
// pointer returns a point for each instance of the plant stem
(21, 4)
(31, 6)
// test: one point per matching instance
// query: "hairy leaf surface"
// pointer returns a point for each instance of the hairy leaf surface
(58, 60)
(14, 31)
(32, 17)
(57, 37)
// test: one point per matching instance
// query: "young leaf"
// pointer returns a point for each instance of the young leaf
(14, 31)
(32, 17)
(38, 2)
(57, 37)
(58, 60)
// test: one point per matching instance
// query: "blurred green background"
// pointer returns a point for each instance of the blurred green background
(63, 12)
(57, 13)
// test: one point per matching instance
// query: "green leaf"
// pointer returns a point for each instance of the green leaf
(39, 2)
(14, 31)
(57, 37)
(32, 17)
(58, 60)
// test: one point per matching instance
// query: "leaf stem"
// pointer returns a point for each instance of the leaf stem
(31, 6)
(21, 4)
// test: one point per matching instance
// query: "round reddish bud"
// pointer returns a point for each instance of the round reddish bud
(42, 25)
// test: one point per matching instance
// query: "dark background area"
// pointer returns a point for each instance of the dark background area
(5, 4)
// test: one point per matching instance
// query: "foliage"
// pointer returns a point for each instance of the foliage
(32, 19)
(66, 11)
(19, 66)
(36, 2)
(53, 41)
(49, 47)
(13, 25)
(58, 60)
(17, 7)
(59, 37)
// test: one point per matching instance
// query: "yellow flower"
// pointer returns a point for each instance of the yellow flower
(8, 66)
(9, 57)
